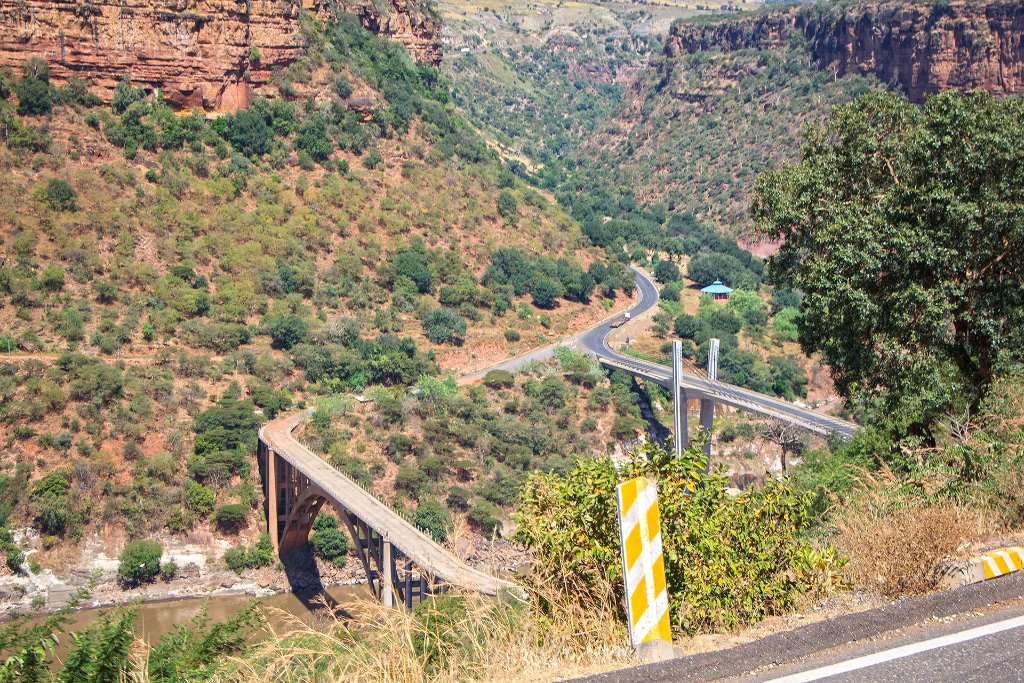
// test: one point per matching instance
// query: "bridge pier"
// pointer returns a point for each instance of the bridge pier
(707, 420)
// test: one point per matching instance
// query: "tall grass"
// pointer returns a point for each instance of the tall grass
(453, 637)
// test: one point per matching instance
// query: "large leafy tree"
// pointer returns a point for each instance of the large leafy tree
(904, 226)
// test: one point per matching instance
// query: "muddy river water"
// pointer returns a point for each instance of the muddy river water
(158, 617)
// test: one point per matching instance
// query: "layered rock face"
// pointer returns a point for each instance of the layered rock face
(923, 47)
(214, 54)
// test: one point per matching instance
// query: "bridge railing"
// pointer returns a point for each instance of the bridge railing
(404, 514)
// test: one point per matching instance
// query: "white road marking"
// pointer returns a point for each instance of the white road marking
(901, 652)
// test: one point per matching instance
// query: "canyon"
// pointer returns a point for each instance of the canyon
(215, 55)
(923, 48)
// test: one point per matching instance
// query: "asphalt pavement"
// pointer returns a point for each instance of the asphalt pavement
(973, 633)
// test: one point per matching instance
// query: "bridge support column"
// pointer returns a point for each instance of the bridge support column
(387, 572)
(272, 517)
(680, 428)
(707, 420)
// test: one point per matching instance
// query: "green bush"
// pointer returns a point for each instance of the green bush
(285, 330)
(34, 97)
(728, 560)
(140, 562)
(546, 292)
(667, 271)
(198, 498)
(499, 379)
(445, 326)
(239, 558)
(486, 516)
(508, 207)
(330, 544)
(230, 518)
(58, 195)
(434, 520)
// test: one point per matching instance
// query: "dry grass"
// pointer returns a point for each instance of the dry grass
(895, 541)
(482, 639)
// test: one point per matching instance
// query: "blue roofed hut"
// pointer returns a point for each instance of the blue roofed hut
(719, 291)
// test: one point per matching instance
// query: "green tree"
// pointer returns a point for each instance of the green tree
(546, 292)
(140, 562)
(433, 519)
(445, 326)
(331, 544)
(666, 271)
(904, 228)
(125, 95)
(285, 330)
(59, 195)
(231, 517)
(33, 89)
(508, 207)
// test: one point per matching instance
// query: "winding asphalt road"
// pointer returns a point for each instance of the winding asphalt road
(595, 341)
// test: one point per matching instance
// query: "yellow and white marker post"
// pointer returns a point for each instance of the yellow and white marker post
(643, 566)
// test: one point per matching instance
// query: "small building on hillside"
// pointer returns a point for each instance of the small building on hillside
(717, 290)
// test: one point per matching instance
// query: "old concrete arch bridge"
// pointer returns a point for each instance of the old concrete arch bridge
(402, 564)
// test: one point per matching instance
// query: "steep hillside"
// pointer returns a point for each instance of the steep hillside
(164, 275)
(538, 77)
(730, 98)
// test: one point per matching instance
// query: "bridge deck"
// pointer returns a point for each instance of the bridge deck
(737, 397)
(416, 545)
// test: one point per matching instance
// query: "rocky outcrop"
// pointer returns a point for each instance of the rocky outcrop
(214, 54)
(922, 47)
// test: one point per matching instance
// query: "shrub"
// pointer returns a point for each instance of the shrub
(199, 498)
(240, 557)
(330, 544)
(508, 207)
(125, 95)
(412, 264)
(313, 139)
(140, 562)
(512, 336)
(667, 271)
(181, 521)
(728, 560)
(412, 480)
(285, 330)
(34, 97)
(459, 498)
(52, 278)
(168, 570)
(325, 521)
(58, 195)
(14, 559)
(894, 547)
(486, 516)
(433, 520)
(499, 379)
(230, 518)
(445, 326)
(546, 292)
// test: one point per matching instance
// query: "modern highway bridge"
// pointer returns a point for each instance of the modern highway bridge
(402, 564)
(710, 392)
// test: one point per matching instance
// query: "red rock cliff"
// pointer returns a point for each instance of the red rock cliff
(923, 47)
(199, 53)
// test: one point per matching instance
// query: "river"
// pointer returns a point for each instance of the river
(158, 617)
